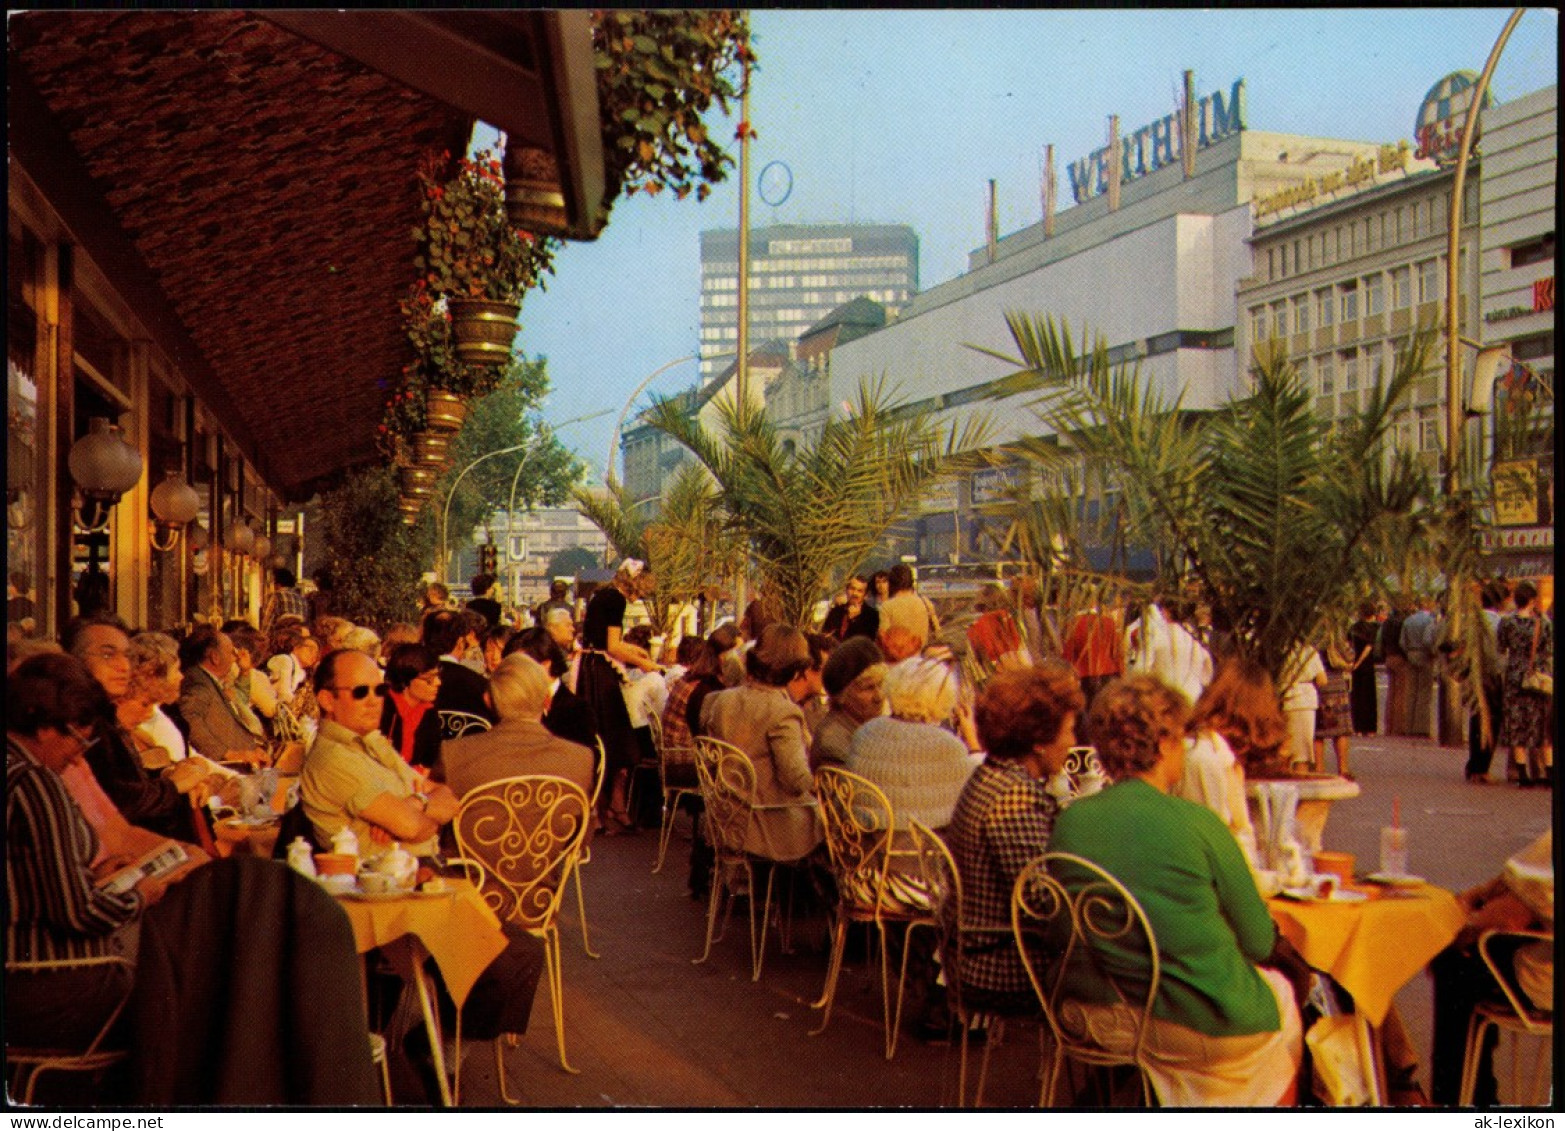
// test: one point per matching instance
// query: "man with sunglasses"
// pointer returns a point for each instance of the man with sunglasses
(353, 778)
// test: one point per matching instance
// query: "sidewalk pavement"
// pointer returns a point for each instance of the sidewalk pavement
(647, 1028)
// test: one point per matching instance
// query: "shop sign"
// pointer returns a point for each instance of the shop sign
(1438, 127)
(1542, 295)
(1362, 172)
(1518, 538)
(1152, 146)
(1523, 493)
(993, 483)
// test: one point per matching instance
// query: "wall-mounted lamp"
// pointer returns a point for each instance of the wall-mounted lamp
(175, 506)
(240, 538)
(104, 467)
(262, 549)
(200, 537)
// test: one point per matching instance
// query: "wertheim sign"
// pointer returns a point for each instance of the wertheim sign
(1153, 146)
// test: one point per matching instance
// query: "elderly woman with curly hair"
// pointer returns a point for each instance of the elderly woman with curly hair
(920, 766)
(1224, 1030)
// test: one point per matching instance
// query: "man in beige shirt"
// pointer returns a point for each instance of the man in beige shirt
(352, 778)
(907, 608)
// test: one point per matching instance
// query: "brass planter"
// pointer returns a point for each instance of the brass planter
(418, 482)
(410, 509)
(444, 412)
(432, 449)
(533, 199)
(483, 329)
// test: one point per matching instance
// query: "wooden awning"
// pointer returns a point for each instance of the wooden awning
(246, 180)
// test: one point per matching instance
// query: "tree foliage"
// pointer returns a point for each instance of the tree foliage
(542, 469)
(810, 514)
(375, 560)
(1270, 513)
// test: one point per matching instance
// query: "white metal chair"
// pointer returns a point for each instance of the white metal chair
(1514, 1016)
(1074, 921)
(1082, 774)
(454, 724)
(585, 857)
(728, 785)
(29, 1064)
(672, 794)
(859, 829)
(519, 839)
(943, 883)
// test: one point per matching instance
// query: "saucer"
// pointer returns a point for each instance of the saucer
(1393, 880)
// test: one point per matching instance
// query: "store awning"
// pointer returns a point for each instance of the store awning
(246, 181)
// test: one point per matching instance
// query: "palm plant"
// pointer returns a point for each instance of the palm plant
(812, 513)
(689, 544)
(619, 516)
(1270, 512)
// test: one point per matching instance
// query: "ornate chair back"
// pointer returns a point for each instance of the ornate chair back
(1076, 923)
(525, 833)
(859, 825)
(454, 724)
(728, 790)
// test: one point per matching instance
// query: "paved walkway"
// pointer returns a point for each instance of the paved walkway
(648, 1028)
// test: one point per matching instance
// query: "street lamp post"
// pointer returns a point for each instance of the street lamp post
(1455, 408)
(543, 432)
(608, 467)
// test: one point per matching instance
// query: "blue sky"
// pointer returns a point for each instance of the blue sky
(904, 117)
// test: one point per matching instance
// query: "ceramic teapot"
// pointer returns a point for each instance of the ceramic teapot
(398, 863)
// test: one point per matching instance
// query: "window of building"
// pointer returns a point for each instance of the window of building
(1369, 233)
(1401, 293)
(1298, 260)
(1271, 264)
(1282, 255)
(1309, 251)
(1353, 239)
(1429, 429)
(1325, 376)
(1301, 314)
(1429, 289)
(1348, 363)
(1375, 294)
(1533, 251)
(1325, 307)
(1530, 349)
(1257, 324)
(1349, 295)
(1280, 319)
(1418, 221)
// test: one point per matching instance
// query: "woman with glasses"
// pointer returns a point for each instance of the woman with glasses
(56, 910)
(409, 719)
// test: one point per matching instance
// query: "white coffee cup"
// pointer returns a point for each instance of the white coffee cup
(377, 883)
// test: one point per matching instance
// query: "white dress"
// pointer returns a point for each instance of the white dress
(1214, 778)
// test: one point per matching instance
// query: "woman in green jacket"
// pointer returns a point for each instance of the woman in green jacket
(1225, 1031)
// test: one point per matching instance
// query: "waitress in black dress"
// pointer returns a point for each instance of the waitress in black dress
(599, 683)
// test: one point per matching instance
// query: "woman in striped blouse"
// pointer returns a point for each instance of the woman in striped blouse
(56, 908)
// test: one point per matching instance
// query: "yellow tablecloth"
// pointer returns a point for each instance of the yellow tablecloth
(457, 929)
(1374, 947)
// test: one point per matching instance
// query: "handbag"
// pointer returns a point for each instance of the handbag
(1537, 681)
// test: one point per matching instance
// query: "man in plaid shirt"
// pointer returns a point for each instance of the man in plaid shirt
(1027, 721)
(285, 600)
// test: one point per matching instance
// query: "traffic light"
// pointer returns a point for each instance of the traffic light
(489, 559)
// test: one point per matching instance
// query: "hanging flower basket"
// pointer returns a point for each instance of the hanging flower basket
(418, 482)
(532, 189)
(484, 329)
(444, 411)
(432, 449)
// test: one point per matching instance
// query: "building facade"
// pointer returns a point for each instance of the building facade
(1516, 286)
(1342, 286)
(799, 273)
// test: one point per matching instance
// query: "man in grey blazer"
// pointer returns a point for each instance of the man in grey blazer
(518, 744)
(220, 727)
